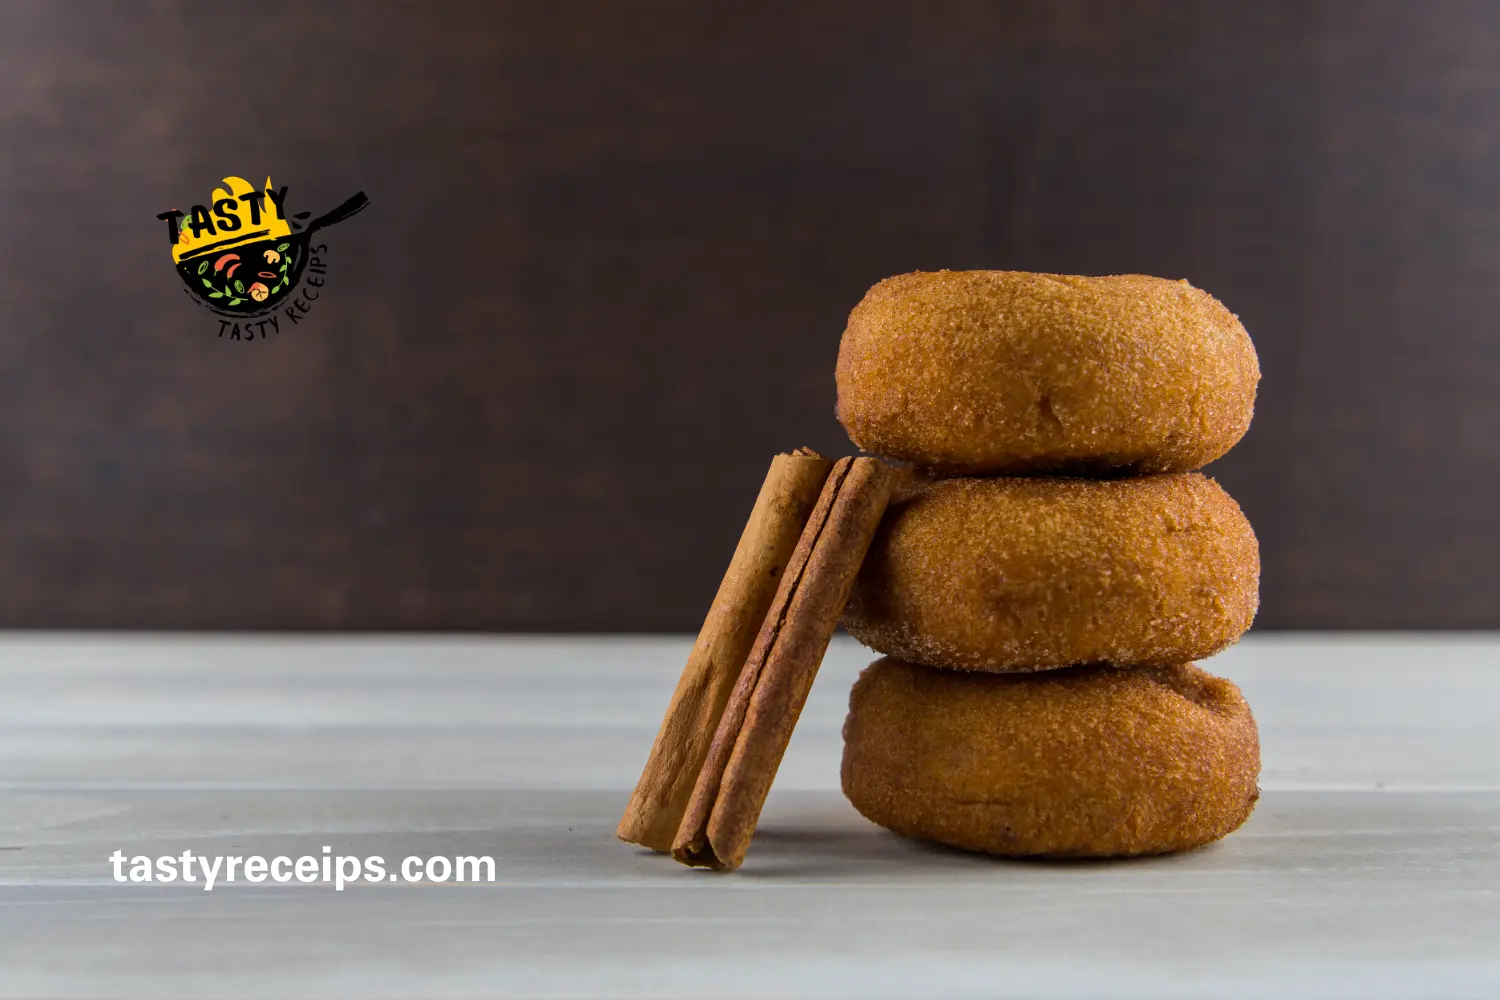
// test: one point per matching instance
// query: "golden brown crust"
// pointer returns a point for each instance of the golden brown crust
(1017, 574)
(1084, 762)
(973, 372)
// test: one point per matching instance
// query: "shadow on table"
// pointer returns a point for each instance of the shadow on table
(829, 842)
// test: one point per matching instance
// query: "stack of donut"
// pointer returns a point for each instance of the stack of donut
(1043, 582)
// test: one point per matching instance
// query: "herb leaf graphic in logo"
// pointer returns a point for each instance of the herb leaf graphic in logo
(242, 255)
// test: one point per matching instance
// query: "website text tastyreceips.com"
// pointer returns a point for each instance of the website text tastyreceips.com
(339, 869)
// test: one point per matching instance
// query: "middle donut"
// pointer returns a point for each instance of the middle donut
(1015, 574)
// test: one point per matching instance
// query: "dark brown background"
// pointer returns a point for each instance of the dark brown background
(609, 259)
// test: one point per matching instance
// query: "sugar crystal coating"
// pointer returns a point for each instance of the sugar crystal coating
(1083, 762)
(1031, 573)
(979, 372)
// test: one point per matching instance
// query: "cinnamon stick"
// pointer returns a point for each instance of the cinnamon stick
(786, 500)
(757, 723)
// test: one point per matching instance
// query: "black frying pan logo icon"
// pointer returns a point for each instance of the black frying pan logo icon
(242, 254)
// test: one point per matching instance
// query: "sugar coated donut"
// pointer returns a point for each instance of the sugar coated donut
(978, 372)
(1084, 762)
(1030, 573)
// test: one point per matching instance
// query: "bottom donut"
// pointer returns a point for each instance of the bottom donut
(1078, 762)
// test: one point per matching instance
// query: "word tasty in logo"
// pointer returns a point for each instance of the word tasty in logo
(245, 258)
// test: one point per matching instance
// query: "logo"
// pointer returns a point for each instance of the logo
(245, 258)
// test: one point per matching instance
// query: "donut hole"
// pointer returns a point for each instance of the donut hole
(1046, 415)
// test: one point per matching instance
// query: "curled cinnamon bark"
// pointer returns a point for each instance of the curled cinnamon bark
(756, 725)
(787, 498)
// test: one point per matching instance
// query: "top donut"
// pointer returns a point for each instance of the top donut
(1006, 372)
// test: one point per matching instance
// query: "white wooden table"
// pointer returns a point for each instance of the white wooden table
(1370, 869)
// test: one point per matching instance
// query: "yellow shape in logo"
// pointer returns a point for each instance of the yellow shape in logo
(238, 213)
